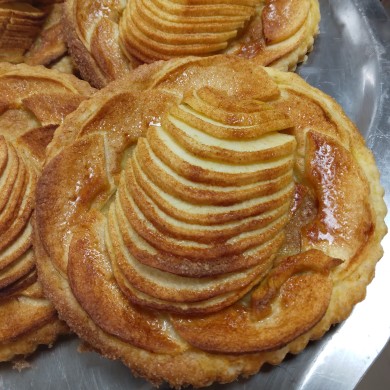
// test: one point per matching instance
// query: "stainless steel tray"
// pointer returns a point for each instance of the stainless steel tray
(351, 62)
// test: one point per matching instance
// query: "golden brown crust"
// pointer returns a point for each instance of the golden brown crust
(112, 223)
(34, 102)
(108, 38)
(26, 344)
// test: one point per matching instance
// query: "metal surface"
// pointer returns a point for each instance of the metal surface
(351, 62)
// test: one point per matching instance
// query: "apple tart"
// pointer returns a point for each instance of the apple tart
(31, 32)
(203, 216)
(108, 38)
(20, 24)
(33, 102)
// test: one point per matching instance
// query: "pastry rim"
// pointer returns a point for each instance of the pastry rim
(156, 369)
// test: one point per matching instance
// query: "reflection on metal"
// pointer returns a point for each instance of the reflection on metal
(350, 62)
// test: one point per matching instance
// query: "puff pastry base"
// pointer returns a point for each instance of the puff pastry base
(319, 272)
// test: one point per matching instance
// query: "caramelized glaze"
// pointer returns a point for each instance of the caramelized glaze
(109, 38)
(34, 102)
(195, 213)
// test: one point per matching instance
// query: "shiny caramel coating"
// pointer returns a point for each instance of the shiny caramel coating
(108, 38)
(256, 250)
(34, 102)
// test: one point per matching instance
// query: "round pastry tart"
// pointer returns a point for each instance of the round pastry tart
(204, 216)
(107, 38)
(33, 102)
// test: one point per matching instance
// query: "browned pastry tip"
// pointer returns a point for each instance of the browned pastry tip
(204, 216)
(33, 103)
(107, 39)
(49, 46)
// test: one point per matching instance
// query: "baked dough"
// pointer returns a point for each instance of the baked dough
(33, 102)
(204, 216)
(107, 38)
